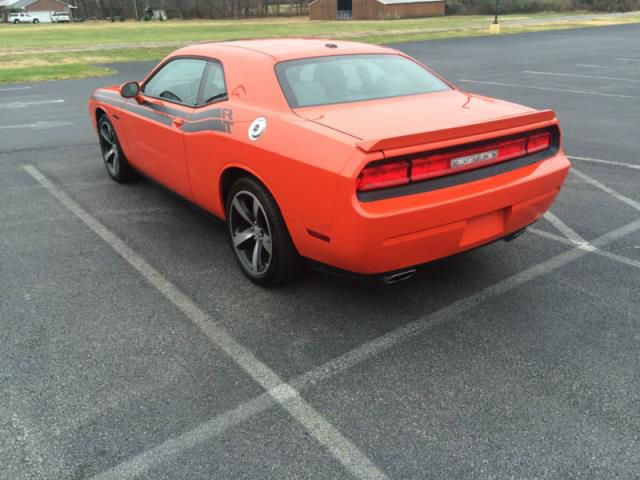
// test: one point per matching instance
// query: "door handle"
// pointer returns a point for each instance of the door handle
(177, 122)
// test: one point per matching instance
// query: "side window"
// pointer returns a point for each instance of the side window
(214, 87)
(178, 81)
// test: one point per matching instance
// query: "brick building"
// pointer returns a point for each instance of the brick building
(374, 9)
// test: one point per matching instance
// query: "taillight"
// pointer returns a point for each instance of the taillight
(419, 167)
(512, 149)
(423, 168)
(383, 176)
(539, 142)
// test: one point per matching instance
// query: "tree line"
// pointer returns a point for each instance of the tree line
(188, 9)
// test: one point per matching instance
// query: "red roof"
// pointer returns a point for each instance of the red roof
(288, 48)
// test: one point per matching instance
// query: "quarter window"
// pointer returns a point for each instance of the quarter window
(214, 87)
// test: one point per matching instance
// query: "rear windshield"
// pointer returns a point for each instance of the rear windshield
(353, 78)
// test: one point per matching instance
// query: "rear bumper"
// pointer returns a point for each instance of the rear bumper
(406, 272)
(396, 233)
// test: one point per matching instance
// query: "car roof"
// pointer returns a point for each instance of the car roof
(280, 49)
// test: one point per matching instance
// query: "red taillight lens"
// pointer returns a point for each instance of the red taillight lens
(512, 149)
(455, 161)
(383, 176)
(539, 142)
(423, 168)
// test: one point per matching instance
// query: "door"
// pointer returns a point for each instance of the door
(154, 122)
(208, 138)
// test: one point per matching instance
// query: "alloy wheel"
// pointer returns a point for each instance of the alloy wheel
(250, 233)
(109, 147)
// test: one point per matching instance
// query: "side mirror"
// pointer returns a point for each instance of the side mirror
(130, 89)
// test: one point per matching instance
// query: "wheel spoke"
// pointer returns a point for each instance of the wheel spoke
(256, 209)
(106, 135)
(110, 155)
(241, 237)
(266, 243)
(242, 210)
(256, 259)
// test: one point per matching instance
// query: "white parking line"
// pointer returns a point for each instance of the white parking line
(618, 258)
(550, 89)
(629, 59)
(567, 231)
(286, 396)
(14, 89)
(138, 465)
(623, 198)
(603, 253)
(575, 75)
(606, 162)
(30, 104)
(550, 236)
(39, 125)
(586, 65)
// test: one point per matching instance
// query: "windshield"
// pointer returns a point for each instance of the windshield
(353, 78)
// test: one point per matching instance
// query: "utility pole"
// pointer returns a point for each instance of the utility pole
(495, 21)
(135, 9)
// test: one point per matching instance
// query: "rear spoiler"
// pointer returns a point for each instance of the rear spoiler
(458, 132)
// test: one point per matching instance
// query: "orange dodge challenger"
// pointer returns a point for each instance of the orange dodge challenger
(353, 156)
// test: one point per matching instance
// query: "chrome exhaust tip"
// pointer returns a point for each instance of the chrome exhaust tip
(398, 276)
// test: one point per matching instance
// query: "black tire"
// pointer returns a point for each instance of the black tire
(35, 20)
(115, 162)
(266, 228)
(16, 21)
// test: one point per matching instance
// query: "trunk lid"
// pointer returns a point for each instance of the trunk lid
(415, 120)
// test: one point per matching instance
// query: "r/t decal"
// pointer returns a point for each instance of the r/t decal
(217, 119)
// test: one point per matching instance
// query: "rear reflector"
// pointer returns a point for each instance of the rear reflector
(318, 235)
(419, 168)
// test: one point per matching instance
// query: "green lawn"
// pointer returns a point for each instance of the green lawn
(40, 52)
(107, 33)
(53, 72)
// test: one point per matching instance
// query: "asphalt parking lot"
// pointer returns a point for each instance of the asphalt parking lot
(133, 347)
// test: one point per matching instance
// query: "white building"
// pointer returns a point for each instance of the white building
(40, 9)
